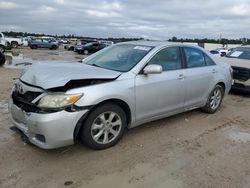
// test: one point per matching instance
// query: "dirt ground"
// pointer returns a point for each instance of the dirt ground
(192, 150)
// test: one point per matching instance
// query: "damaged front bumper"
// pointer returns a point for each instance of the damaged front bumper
(46, 130)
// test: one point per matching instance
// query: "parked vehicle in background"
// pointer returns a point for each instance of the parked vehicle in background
(119, 87)
(34, 44)
(79, 46)
(64, 41)
(239, 59)
(4, 45)
(89, 48)
(47, 38)
(107, 42)
(222, 51)
(215, 53)
(26, 41)
(73, 40)
(70, 47)
(15, 42)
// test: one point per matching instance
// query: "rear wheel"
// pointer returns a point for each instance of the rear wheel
(104, 126)
(214, 100)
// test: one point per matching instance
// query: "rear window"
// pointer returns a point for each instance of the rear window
(214, 52)
(194, 57)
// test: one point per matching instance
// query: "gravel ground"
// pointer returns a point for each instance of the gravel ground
(192, 150)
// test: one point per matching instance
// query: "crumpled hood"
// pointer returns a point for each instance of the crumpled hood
(50, 74)
(237, 62)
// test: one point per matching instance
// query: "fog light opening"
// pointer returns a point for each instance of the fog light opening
(40, 138)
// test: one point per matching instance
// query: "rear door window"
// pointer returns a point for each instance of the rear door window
(194, 57)
(209, 61)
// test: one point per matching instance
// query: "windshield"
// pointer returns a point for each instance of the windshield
(241, 53)
(122, 57)
(88, 44)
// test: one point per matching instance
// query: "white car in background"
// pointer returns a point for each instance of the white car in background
(15, 42)
(222, 51)
(26, 41)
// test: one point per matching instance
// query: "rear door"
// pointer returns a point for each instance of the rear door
(199, 76)
(160, 94)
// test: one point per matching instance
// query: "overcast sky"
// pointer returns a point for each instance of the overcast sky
(159, 19)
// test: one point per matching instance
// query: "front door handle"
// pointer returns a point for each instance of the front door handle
(181, 77)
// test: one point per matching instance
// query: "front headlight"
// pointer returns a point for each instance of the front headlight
(58, 100)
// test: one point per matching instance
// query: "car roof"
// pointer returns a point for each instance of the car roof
(152, 43)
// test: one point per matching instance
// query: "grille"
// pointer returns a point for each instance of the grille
(24, 101)
(240, 73)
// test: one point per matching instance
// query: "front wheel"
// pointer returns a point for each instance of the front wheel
(214, 100)
(33, 46)
(104, 126)
(85, 52)
(53, 47)
(2, 49)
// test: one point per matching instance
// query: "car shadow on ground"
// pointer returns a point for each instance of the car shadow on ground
(240, 93)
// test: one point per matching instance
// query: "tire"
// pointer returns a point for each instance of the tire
(2, 59)
(14, 44)
(2, 49)
(53, 47)
(33, 46)
(101, 132)
(85, 52)
(214, 100)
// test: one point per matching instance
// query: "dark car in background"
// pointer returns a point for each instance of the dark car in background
(34, 44)
(81, 42)
(89, 48)
(215, 53)
(69, 47)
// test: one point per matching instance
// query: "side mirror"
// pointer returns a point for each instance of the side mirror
(152, 69)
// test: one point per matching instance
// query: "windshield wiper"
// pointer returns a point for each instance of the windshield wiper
(95, 65)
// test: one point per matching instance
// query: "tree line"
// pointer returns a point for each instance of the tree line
(123, 39)
(206, 40)
(26, 34)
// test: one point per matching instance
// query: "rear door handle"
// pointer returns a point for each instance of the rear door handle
(181, 77)
(214, 71)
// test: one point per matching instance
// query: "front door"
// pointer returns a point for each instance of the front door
(159, 94)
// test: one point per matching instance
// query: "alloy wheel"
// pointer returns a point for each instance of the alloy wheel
(215, 99)
(106, 127)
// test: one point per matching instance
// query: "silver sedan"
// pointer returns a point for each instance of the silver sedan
(119, 87)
